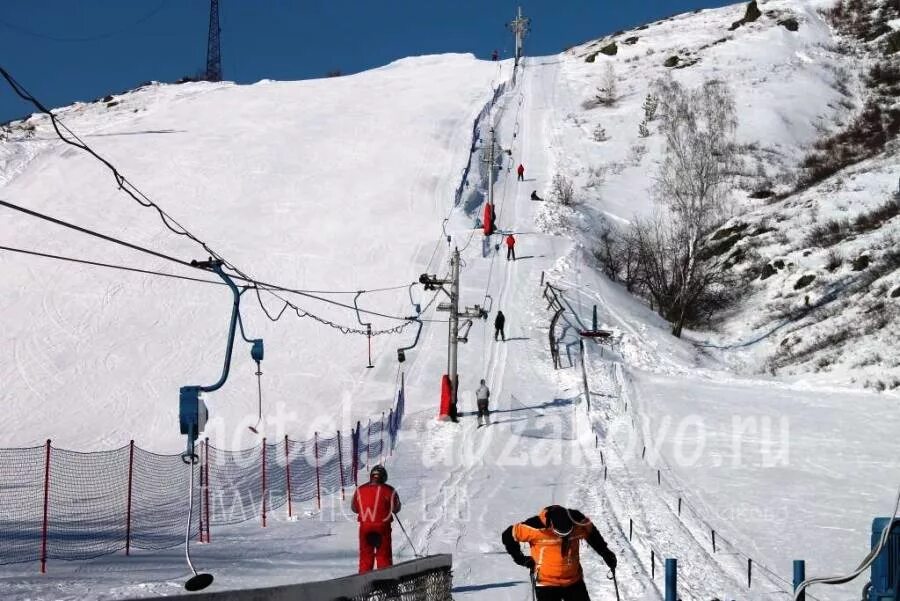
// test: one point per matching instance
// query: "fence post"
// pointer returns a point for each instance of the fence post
(46, 508)
(368, 442)
(287, 474)
(630, 528)
(206, 480)
(671, 579)
(584, 378)
(202, 480)
(318, 481)
(714, 540)
(128, 506)
(392, 431)
(679, 506)
(659, 477)
(604, 472)
(643, 450)
(799, 577)
(382, 437)
(652, 564)
(341, 463)
(749, 572)
(264, 482)
(355, 460)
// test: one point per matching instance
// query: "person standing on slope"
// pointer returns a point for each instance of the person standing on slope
(499, 322)
(510, 247)
(482, 398)
(375, 502)
(520, 170)
(555, 537)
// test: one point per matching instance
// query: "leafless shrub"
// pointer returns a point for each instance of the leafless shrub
(562, 190)
(608, 93)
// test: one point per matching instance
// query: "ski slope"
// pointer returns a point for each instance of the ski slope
(343, 184)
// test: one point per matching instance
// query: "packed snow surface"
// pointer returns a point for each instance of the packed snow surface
(344, 184)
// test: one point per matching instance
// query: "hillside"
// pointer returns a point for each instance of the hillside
(811, 245)
(347, 184)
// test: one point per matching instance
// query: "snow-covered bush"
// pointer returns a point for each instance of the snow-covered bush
(562, 190)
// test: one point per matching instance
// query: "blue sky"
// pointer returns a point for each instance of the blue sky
(68, 50)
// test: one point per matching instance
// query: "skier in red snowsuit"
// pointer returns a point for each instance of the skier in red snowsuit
(521, 172)
(375, 503)
(510, 247)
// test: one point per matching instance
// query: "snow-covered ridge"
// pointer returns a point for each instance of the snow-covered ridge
(792, 88)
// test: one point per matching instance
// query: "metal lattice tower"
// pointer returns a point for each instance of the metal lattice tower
(213, 48)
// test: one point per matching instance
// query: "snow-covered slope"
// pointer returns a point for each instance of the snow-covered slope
(337, 184)
(344, 183)
(791, 89)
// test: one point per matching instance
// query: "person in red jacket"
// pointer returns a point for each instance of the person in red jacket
(521, 171)
(510, 247)
(375, 502)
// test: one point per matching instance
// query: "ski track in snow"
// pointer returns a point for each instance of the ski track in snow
(461, 485)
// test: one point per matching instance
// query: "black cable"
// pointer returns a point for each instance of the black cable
(82, 230)
(93, 38)
(259, 285)
(108, 265)
(164, 217)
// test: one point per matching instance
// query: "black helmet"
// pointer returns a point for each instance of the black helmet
(559, 520)
(378, 473)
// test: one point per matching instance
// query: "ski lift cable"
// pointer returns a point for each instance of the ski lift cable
(126, 185)
(107, 265)
(259, 285)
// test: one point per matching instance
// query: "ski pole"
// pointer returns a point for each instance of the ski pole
(533, 587)
(409, 540)
(615, 583)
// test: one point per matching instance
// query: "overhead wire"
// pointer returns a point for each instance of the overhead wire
(265, 286)
(170, 222)
(107, 265)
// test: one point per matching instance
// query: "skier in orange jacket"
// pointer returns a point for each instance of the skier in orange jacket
(555, 537)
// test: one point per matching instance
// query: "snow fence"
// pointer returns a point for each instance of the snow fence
(425, 579)
(62, 504)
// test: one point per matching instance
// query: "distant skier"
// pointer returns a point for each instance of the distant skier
(521, 171)
(482, 398)
(499, 322)
(495, 56)
(510, 247)
(554, 537)
(375, 502)
(534, 195)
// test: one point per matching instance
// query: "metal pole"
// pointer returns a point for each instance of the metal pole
(128, 508)
(454, 332)
(671, 579)
(799, 577)
(46, 508)
(409, 540)
(264, 482)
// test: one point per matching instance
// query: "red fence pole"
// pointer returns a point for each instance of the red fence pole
(46, 508)
(287, 473)
(202, 481)
(318, 484)
(264, 482)
(382, 437)
(341, 464)
(206, 481)
(128, 507)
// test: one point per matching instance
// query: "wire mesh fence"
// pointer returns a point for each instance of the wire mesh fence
(68, 505)
(423, 579)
